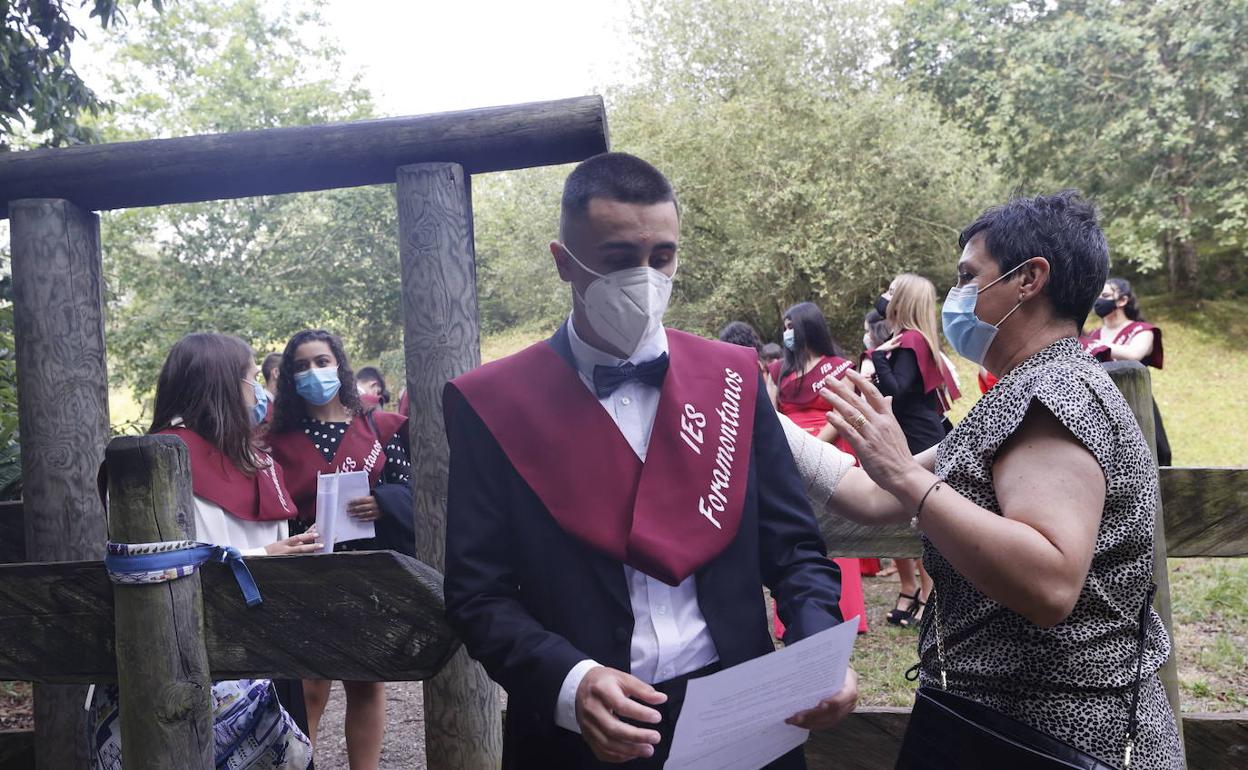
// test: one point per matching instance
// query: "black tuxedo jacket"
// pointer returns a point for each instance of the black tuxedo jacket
(530, 601)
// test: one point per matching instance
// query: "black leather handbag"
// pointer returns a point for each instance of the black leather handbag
(947, 731)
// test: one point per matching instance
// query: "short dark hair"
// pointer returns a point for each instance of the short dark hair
(615, 176)
(1063, 229)
(771, 352)
(879, 330)
(271, 361)
(373, 374)
(741, 333)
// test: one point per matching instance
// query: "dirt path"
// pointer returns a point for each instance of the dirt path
(404, 746)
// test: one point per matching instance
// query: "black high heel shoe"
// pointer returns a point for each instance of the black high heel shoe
(915, 616)
(896, 616)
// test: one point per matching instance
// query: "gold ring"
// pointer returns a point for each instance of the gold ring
(857, 421)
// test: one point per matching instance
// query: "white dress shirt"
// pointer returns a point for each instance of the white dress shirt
(214, 525)
(670, 637)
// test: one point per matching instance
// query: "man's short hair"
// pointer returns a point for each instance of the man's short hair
(615, 176)
(271, 361)
(741, 333)
(771, 352)
(1063, 229)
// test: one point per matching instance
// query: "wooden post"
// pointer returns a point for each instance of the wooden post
(62, 384)
(1133, 380)
(441, 340)
(162, 667)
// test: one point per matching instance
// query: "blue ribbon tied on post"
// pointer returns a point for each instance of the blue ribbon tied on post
(146, 563)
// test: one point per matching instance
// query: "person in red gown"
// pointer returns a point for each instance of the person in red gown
(811, 358)
(1124, 335)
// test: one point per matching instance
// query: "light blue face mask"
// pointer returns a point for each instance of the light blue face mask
(789, 338)
(969, 336)
(318, 386)
(261, 409)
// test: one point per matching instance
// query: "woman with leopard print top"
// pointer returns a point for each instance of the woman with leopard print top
(1037, 511)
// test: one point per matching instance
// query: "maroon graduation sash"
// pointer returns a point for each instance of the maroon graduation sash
(802, 391)
(936, 376)
(1096, 348)
(261, 497)
(359, 449)
(668, 516)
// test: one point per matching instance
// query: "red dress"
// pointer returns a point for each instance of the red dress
(800, 401)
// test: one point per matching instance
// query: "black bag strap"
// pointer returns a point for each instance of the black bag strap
(1133, 720)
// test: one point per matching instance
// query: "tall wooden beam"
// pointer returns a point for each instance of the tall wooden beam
(302, 158)
(1133, 380)
(62, 383)
(441, 340)
(163, 682)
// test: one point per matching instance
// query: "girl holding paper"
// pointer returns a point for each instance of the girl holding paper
(207, 396)
(320, 427)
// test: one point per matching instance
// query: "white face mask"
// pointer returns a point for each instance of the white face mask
(627, 306)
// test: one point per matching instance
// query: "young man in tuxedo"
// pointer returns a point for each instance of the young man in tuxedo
(618, 495)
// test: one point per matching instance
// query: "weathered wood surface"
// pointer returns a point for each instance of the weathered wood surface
(12, 533)
(441, 340)
(283, 160)
(62, 384)
(366, 616)
(1206, 514)
(1132, 378)
(164, 688)
(870, 738)
(1206, 511)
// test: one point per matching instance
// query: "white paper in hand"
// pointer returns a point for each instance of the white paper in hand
(333, 523)
(734, 719)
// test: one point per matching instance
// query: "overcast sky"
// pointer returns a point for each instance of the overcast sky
(433, 55)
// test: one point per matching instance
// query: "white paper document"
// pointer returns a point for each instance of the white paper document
(734, 719)
(333, 523)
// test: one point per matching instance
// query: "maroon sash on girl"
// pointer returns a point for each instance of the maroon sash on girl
(802, 391)
(936, 376)
(1095, 348)
(214, 477)
(359, 449)
(668, 516)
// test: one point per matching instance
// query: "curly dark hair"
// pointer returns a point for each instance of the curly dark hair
(289, 410)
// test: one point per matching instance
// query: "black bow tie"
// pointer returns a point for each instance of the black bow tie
(608, 378)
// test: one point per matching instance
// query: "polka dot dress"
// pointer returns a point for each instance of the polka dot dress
(327, 435)
(1072, 681)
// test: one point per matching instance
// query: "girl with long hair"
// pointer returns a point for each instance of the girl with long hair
(910, 368)
(811, 359)
(208, 396)
(320, 426)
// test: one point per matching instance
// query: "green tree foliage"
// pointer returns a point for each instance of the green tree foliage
(802, 174)
(264, 267)
(1141, 103)
(41, 96)
(10, 452)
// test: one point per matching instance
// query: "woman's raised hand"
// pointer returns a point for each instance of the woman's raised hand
(302, 543)
(865, 419)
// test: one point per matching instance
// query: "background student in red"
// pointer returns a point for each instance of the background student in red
(1124, 335)
(319, 426)
(811, 358)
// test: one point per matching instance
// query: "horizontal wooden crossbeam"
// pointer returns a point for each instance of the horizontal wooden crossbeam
(303, 158)
(1206, 511)
(368, 616)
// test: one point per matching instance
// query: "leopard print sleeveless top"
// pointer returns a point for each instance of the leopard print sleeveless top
(1072, 680)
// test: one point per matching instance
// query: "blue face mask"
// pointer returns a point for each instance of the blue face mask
(261, 409)
(318, 386)
(969, 336)
(790, 338)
